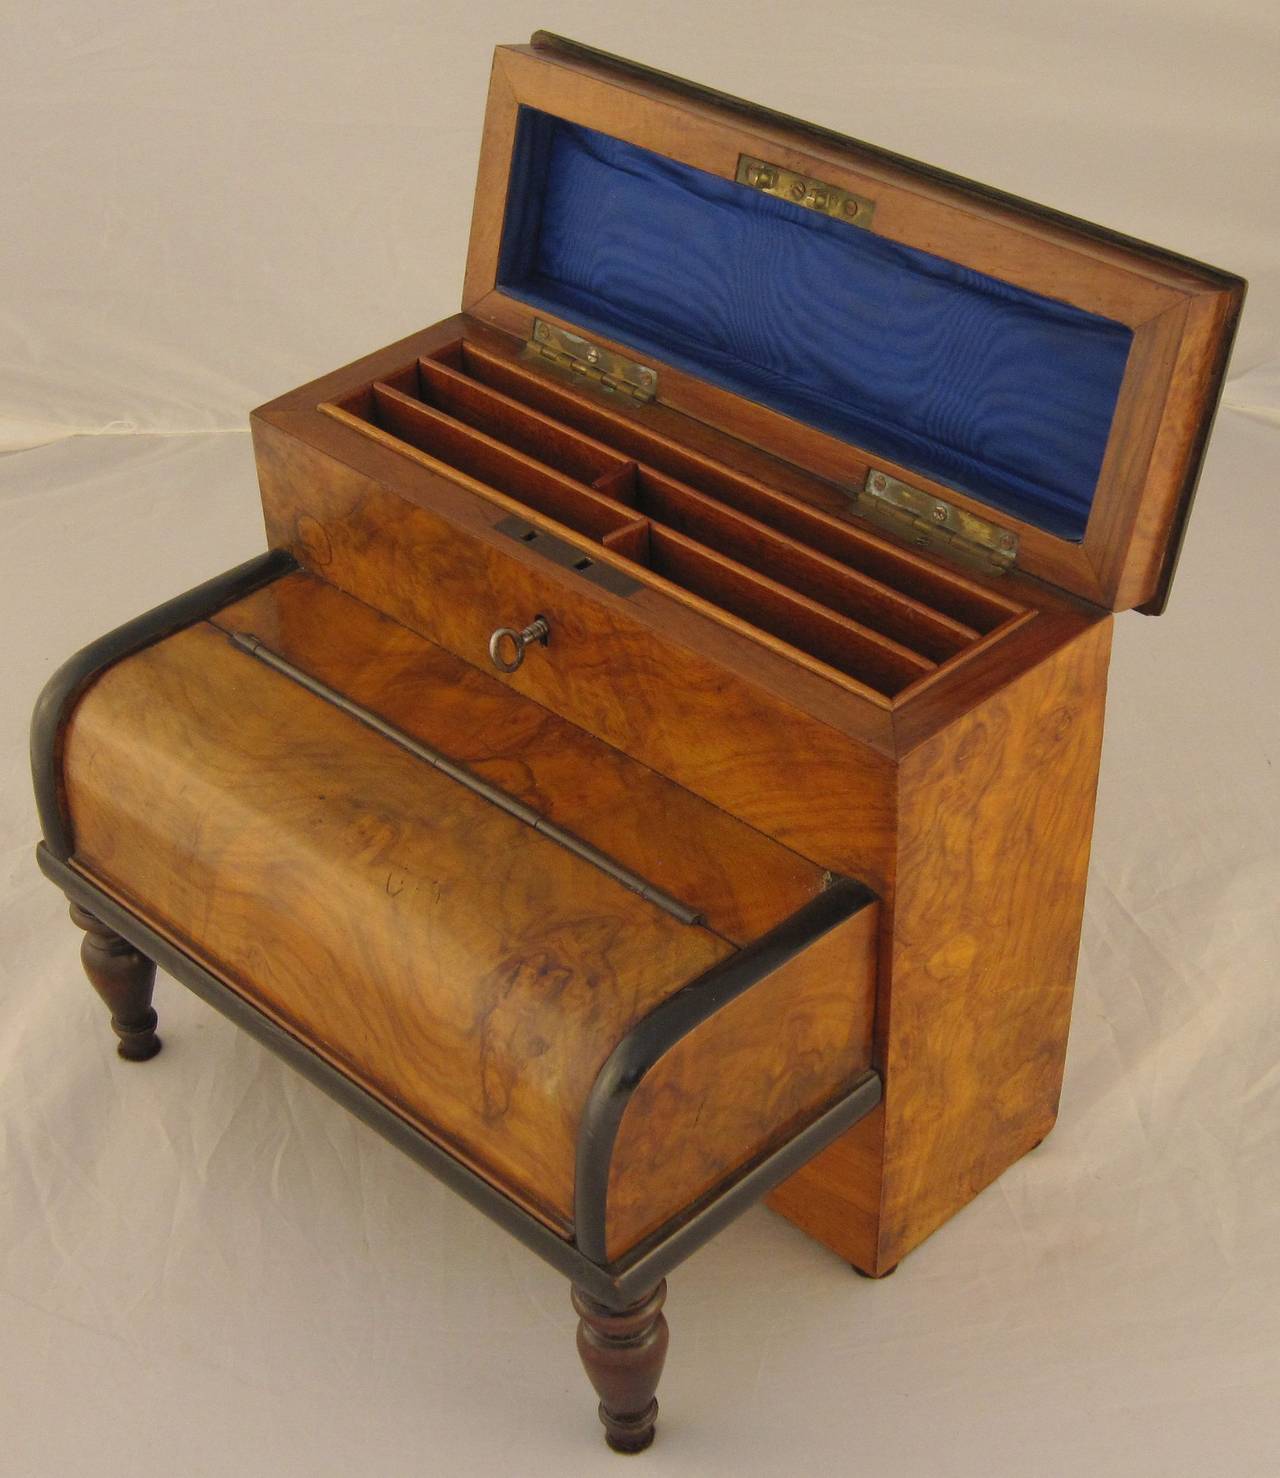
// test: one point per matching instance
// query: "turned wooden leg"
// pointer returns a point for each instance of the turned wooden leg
(623, 1351)
(124, 979)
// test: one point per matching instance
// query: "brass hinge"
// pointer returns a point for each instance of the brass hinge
(930, 522)
(600, 367)
(801, 189)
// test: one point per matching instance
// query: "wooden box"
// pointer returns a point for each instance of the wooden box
(654, 765)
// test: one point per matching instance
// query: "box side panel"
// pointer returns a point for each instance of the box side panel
(995, 821)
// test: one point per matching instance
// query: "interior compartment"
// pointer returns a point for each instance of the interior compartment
(875, 613)
(475, 404)
(862, 550)
(803, 623)
(484, 458)
(806, 571)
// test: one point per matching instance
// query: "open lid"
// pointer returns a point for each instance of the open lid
(1043, 382)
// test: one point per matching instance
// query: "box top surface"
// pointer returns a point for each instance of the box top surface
(818, 296)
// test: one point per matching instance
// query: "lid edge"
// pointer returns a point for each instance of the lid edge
(1216, 277)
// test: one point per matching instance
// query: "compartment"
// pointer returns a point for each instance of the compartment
(945, 591)
(482, 457)
(516, 425)
(811, 627)
(846, 591)
(876, 614)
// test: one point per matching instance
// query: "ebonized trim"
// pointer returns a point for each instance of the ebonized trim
(665, 1025)
(68, 683)
(616, 1287)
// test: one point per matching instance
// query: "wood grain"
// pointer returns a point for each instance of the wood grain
(811, 509)
(742, 881)
(521, 486)
(492, 464)
(469, 972)
(515, 424)
(723, 719)
(875, 663)
(812, 512)
(995, 816)
(886, 611)
(755, 736)
(743, 1081)
(874, 633)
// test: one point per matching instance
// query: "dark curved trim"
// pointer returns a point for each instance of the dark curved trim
(617, 1287)
(69, 682)
(665, 1025)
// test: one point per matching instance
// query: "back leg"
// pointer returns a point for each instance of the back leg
(124, 979)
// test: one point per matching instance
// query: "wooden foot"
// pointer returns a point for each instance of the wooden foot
(875, 1277)
(623, 1351)
(124, 979)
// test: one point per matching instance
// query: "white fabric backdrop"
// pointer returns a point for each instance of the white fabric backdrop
(205, 1267)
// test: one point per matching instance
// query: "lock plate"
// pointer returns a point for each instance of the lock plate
(567, 556)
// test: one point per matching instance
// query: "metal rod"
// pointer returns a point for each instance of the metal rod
(504, 802)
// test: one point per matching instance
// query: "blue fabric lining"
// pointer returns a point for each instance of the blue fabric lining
(986, 387)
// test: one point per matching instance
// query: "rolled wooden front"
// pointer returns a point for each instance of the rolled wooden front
(469, 972)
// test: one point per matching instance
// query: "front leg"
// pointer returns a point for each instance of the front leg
(623, 1351)
(124, 979)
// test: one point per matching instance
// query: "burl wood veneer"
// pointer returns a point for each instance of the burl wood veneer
(995, 816)
(460, 966)
(974, 791)
(628, 789)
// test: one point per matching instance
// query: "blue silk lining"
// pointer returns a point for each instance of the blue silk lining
(986, 387)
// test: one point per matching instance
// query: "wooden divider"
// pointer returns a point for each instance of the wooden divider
(805, 570)
(490, 461)
(946, 591)
(488, 410)
(875, 612)
(833, 638)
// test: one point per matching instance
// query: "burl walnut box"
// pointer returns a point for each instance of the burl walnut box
(653, 765)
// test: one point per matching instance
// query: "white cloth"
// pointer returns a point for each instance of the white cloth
(206, 1267)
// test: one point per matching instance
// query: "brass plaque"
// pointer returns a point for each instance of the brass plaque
(804, 190)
